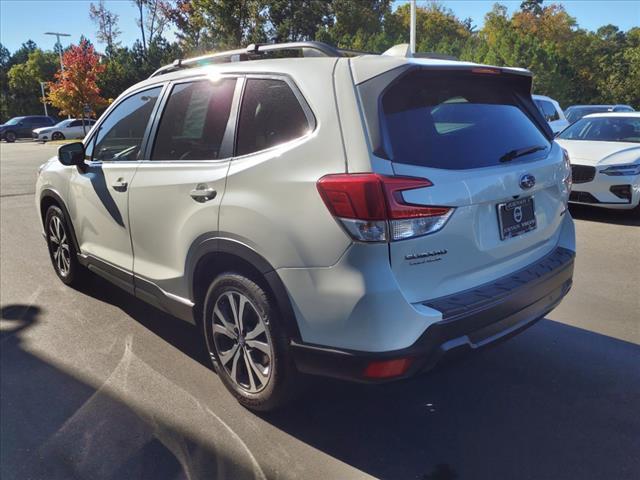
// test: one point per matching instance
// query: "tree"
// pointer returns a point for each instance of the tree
(22, 54)
(361, 25)
(532, 6)
(107, 23)
(297, 20)
(189, 20)
(151, 20)
(5, 58)
(76, 86)
(233, 23)
(24, 81)
(437, 29)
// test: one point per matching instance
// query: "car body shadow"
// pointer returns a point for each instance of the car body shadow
(553, 402)
(55, 425)
(604, 215)
(179, 333)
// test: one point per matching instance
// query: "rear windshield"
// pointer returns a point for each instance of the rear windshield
(457, 121)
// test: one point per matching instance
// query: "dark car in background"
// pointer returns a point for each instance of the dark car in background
(21, 127)
(576, 112)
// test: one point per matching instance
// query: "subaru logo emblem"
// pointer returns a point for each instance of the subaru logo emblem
(527, 181)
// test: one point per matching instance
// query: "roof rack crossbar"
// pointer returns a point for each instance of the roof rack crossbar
(244, 54)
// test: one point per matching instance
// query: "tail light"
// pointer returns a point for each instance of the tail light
(371, 208)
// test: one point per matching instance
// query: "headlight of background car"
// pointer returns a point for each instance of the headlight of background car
(568, 177)
(620, 170)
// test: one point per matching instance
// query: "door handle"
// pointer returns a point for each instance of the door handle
(120, 185)
(203, 193)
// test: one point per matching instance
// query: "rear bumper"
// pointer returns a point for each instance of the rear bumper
(471, 319)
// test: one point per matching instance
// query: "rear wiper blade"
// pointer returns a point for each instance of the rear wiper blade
(519, 152)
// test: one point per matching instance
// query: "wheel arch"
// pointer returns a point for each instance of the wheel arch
(7, 132)
(50, 197)
(212, 256)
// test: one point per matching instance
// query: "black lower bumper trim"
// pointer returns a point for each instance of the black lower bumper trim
(471, 319)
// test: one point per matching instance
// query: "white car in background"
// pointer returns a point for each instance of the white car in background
(604, 151)
(71, 128)
(552, 113)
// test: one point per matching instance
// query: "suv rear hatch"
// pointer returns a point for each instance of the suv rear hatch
(476, 136)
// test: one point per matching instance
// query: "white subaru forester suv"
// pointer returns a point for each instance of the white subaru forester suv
(355, 216)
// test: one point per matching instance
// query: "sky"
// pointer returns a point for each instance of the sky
(21, 20)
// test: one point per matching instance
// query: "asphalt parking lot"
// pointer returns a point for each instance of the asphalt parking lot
(96, 384)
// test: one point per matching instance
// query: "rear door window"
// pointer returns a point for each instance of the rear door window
(270, 115)
(194, 121)
(455, 121)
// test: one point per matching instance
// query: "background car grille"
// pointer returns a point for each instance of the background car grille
(582, 173)
(582, 197)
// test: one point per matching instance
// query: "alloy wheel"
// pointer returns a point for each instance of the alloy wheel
(242, 341)
(59, 245)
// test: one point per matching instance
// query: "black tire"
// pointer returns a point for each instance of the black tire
(61, 249)
(280, 387)
(57, 136)
(10, 137)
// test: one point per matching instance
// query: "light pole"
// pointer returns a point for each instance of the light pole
(44, 100)
(412, 28)
(58, 42)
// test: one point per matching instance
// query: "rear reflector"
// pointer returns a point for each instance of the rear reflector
(371, 207)
(388, 368)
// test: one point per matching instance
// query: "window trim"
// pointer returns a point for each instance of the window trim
(228, 139)
(302, 101)
(98, 123)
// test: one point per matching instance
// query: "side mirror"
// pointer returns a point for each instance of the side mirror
(72, 154)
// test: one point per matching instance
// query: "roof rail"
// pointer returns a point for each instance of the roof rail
(308, 49)
(253, 52)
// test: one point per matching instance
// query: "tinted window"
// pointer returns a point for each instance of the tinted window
(548, 110)
(455, 121)
(39, 120)
(194, 121)
(270, 115)
(120, 135)
(76, 123)
(575, 114)
(604, 129)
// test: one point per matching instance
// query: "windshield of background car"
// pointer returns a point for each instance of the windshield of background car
(604, 129)
(455, 121)
(575, 114)
(14, 121)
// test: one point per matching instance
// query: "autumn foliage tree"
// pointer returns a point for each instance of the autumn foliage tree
(76, 85)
